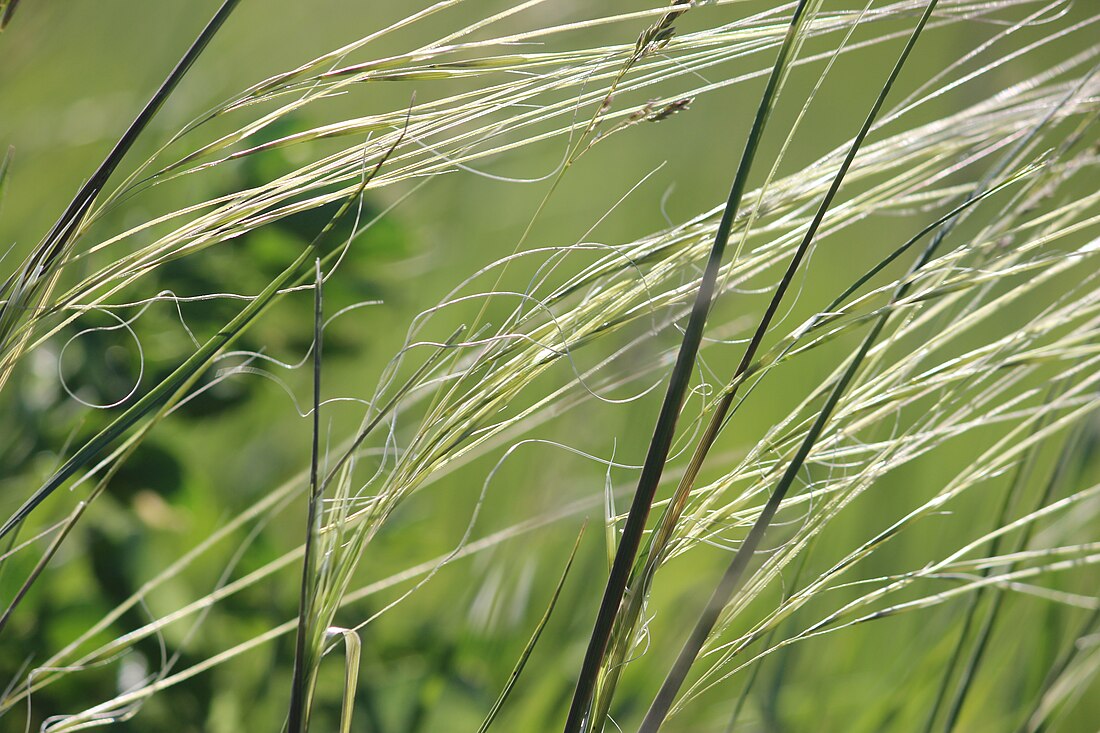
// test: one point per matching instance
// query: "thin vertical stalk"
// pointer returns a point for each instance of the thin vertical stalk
(732, 578)
(981, 640)
(20, 288)
(1020, 478)
(535, 636)
(6, 11)
(298, 717)
(1036, 722)
(755, 673)
(197, 361)
(665, 428)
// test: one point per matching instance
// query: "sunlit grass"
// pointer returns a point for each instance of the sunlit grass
(979, 329)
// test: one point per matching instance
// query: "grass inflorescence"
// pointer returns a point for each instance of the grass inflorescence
(853, 405)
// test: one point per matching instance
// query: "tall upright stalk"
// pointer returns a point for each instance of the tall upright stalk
(23, 289)
(731, 580)
(665, 429)
(298, 716)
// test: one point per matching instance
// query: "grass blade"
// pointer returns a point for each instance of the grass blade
(7, 10)
(731, 580)
(665, 428)
(191, 366)
(5, 168)
(21, 290)
(298, 717)
(526, 653)
(124, 452)
(981, 641)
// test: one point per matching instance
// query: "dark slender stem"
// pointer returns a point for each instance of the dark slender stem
(1020, 479)
(85, 197)
(1059, 666)
(517, 670)
(8, 11)
(665, 428)
(199, 359)
(731, 579)
(985, 632)
(64, 228)
(298, 717)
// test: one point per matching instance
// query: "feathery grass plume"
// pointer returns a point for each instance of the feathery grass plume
(588, 707)
(981, 639)
(731, 580)
(855, 375)
(23, 292)
(444, 119)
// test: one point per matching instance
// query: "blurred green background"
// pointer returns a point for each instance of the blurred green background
(72, 75)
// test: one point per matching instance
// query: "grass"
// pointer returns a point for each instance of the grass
(844, 453)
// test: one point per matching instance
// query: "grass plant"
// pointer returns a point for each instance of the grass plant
(850, 412)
